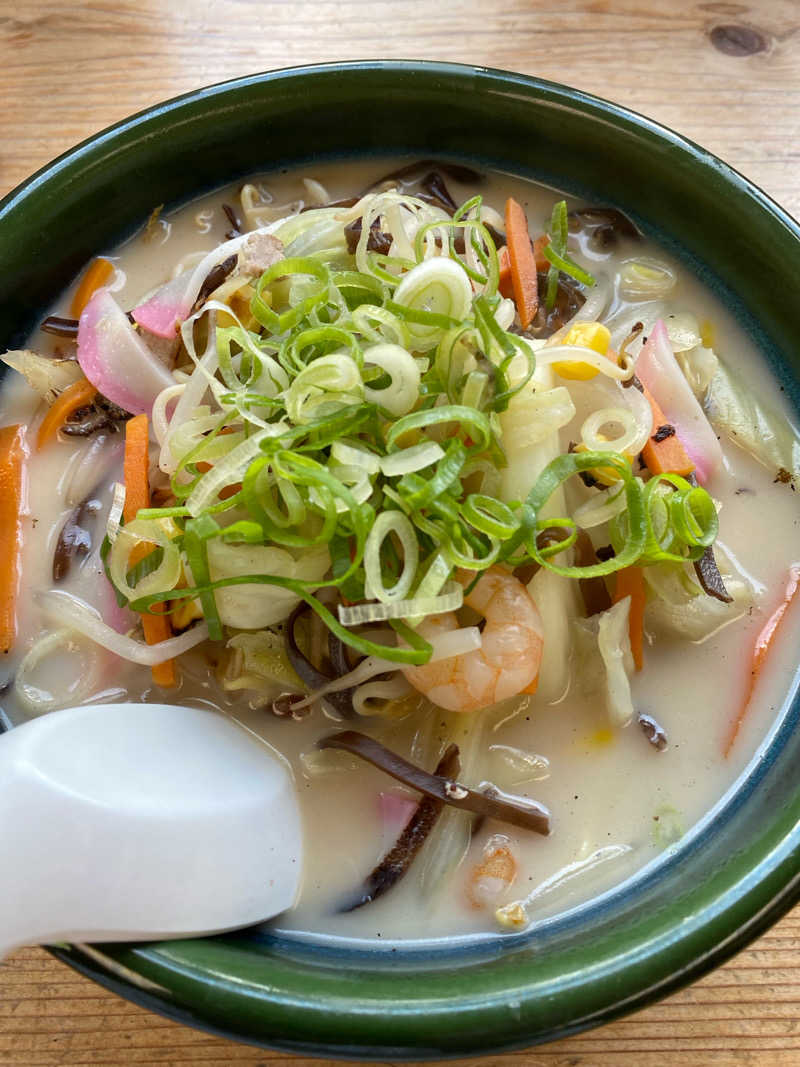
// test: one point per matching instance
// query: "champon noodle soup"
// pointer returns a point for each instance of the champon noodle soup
(468, 500)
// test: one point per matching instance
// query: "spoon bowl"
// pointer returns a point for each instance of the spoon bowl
(126, 822)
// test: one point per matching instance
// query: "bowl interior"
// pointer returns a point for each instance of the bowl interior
(736, 871)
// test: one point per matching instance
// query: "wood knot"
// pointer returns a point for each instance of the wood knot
(733, 39)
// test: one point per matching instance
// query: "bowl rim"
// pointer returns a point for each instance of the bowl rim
(162, 980)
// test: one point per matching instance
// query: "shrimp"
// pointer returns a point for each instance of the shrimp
(508, 659)
(495, 873)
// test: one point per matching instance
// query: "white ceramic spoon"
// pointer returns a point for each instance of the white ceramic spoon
(136, 821)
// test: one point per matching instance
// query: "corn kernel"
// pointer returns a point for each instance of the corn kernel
(589, 335)
(239, 303)
(604, 736)
(512, 915)
(185, 612)
(605, 475)
(707, 333)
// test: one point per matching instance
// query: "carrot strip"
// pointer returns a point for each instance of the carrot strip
(13, 453)
(505, 285)
(97, 274)
(77, 395)
(668, 455)
(136, 464)
(522, 262)
(137, 495)
(760, 650)
(539, 245)
(630, 582)
(157, 628)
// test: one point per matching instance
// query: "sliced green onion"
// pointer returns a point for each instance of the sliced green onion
(681, 520)
(315, 292)
(358, 289)
(389, 327)
(410, 460)
(196, 534)
(315, 342)
(559, 231)
(228, 471)
(567, 266)
(555, 474)
(360, 614)
(311, 411)
(387, 523)
(472, 422)
(356, 455)
(356, 479)
(135, 535)
(329, 383)
(489, 515)
(421, 492)
(435, 296)
(694, 516)
(402, 393)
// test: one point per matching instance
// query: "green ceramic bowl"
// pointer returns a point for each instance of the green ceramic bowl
(738, 870)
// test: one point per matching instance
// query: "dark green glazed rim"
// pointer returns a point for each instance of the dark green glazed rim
(735, 873)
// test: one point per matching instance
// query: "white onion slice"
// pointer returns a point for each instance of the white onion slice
(505, 314)
(401, 609)
(86, 620)
(160, 420)
(401, 395)
(228, 470)
(388, 689)
(355, 456)
(600, 508)
(436, 285)
(37, 700)
(645, 279)
(115, 514)
(631, 440)
(409, 460)
(386, 523)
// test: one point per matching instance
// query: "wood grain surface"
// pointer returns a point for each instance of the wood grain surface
(725, 74)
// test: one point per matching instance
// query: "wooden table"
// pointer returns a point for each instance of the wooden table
(725, 74)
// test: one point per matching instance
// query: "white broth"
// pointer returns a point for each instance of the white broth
(617, 802)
